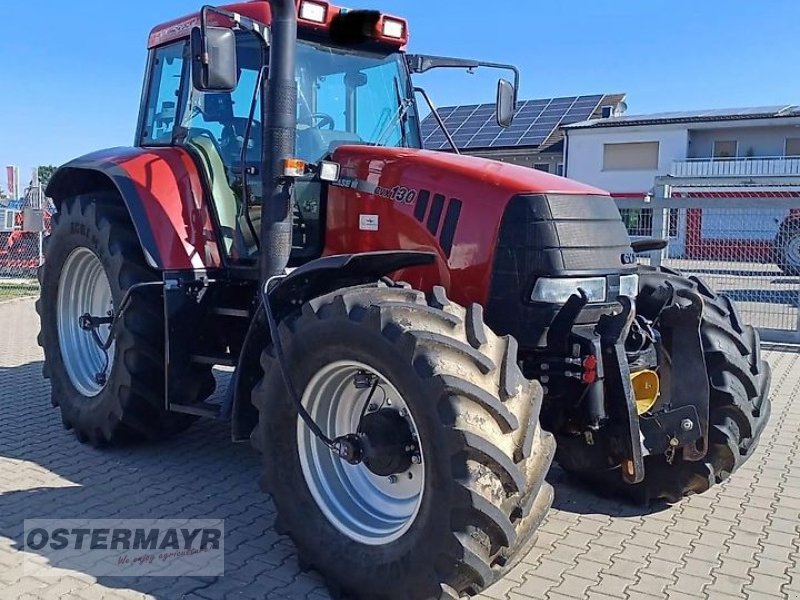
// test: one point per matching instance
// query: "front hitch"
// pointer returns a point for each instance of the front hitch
(684, 425)
(613, 331)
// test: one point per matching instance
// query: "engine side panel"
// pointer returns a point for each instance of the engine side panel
(163, 192)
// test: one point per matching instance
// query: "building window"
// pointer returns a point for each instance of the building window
(542, 167)
(637, 156)
(726, 149)
(792, 147)
(639, 221)
(560, 169)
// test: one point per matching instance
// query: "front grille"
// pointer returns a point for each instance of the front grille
(552, 236)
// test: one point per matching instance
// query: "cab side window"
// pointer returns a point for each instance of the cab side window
(163, 95)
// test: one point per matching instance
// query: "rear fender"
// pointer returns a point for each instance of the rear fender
(163, 192)
(312, 280)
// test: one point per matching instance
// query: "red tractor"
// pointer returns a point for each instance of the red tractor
(276, 195)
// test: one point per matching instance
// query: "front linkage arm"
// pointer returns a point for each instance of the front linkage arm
(684, 381)
(683, 425)
(613, 330)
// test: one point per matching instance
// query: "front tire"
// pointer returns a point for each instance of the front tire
(483, 455)
(739, 405)
(92, 256)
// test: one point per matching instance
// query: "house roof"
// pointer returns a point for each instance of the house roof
(537, 123)
(699, 116)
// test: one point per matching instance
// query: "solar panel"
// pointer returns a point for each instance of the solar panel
(475, 125)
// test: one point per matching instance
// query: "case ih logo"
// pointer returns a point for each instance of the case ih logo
(398, 193)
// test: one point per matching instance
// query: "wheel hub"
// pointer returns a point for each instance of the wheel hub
(370, 487)
(387, 444)
(84, 291)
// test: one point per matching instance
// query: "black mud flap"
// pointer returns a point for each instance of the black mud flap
(613, 330)
(183, 293)
(684, 374)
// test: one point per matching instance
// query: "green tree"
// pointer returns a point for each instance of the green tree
(45, 173)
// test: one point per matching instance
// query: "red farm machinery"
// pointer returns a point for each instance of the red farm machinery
(274, 200)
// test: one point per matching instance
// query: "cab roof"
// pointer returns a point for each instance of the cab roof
(259, 11)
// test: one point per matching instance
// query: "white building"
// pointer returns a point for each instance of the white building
(716, 153)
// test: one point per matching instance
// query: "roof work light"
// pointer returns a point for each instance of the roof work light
(393, 28)
(316, 12)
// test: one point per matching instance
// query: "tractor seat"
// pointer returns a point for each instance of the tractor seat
(224, 199)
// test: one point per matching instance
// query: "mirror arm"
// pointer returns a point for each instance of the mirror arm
(422, 63)
(236, 21)
(439, 119)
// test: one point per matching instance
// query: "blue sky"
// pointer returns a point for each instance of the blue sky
(72, 71)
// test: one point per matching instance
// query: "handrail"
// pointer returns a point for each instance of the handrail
(780, 166)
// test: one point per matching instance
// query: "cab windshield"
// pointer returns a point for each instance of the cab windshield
(352, 98)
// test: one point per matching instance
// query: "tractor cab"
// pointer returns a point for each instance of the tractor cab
(356, 93)
(353, 88)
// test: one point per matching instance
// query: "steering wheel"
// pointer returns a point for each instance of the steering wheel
(325, 121)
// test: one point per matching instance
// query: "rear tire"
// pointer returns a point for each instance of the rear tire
(485, 456)
(130, 405)
(739, 405)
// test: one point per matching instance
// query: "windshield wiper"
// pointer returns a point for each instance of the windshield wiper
(401, 116)
(439, 120)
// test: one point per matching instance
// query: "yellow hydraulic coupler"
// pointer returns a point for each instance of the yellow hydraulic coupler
(646, 389)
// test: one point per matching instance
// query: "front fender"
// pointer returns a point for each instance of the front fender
(312, 280)
(163, 192)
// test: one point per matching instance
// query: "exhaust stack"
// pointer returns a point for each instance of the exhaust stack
(279, 114)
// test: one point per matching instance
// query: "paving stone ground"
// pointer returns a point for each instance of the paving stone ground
(741, 540)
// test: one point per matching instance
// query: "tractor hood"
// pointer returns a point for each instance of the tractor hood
(450, 174)
(458, 207)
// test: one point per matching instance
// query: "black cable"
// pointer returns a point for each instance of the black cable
(104, 346)
(276, 342)
(367, 403)
(115, 319)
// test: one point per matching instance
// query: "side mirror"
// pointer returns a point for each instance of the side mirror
(214, 66)
(506, 103)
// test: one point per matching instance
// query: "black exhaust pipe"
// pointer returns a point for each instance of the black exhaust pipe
(279, 114)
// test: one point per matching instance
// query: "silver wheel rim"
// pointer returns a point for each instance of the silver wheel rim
(793, 251)
(83, 288)
(368, 508)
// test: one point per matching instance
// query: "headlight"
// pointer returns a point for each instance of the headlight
(558, 291)
(629, 286)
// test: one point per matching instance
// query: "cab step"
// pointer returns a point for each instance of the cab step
(238, 313)
(211, 411)
(220, 360)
